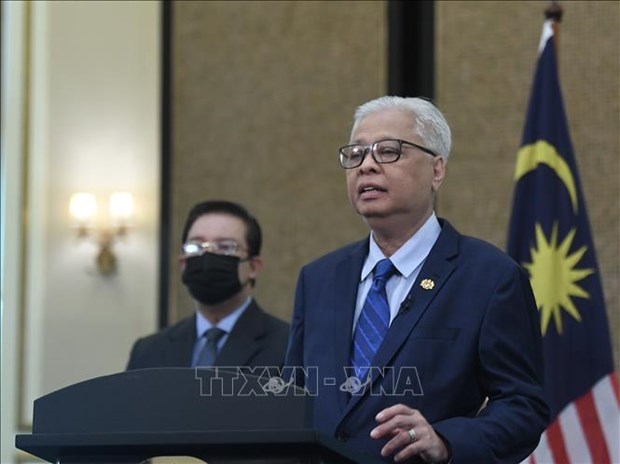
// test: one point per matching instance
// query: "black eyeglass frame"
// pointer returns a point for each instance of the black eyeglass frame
(372, 148)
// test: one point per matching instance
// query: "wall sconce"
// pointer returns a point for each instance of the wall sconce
(83, 209)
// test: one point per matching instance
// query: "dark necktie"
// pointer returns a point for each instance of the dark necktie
(209, 351)
(374, 320)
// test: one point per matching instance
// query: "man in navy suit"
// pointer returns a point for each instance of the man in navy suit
(220, 261)
(458, 375)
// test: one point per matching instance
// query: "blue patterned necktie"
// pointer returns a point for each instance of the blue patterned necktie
(374, 320)
(209, 351)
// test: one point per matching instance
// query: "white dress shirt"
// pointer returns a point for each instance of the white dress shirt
(408, 260)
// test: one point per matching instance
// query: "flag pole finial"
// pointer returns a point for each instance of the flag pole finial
(554, 12)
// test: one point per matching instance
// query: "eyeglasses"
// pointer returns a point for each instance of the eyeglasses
(383, 151)
(218, 247)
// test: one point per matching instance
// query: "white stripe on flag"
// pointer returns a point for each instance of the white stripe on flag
(608, 412)
(542, 454)
(574, 438)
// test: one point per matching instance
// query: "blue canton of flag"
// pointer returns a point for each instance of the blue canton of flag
(550, 237)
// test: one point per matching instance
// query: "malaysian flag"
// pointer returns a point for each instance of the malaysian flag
(549, 235)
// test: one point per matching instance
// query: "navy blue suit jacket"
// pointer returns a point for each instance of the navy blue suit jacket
(257, 339)
(474, 335)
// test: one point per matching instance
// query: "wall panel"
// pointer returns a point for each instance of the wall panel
(263, 96)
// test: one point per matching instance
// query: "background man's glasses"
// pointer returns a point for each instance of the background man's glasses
(218, 247)
(382, 151)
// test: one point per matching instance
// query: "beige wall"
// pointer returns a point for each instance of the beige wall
(263, 95)
(486, 56)
(80, 112)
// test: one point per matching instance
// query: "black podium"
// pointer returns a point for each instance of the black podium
(218, 415)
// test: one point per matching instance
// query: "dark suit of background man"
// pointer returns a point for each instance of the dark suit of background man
(463, 324)
(220, 261)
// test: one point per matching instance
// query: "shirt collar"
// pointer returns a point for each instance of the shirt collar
(409, 256)
(226, 324)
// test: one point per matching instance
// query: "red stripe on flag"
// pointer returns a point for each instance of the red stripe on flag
(532, 459)
(614, 386)
(592, 429)
(556, 442)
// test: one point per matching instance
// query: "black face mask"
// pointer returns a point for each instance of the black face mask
(212, 278)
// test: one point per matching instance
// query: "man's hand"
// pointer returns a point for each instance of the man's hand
(395, 423)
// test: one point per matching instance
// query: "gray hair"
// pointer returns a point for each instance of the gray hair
(429, 124)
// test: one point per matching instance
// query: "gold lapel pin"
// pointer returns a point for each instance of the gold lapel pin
(427, 284)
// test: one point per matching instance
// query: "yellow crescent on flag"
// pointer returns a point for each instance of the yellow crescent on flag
(541, 152)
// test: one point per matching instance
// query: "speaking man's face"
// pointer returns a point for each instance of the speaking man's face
(402, 190)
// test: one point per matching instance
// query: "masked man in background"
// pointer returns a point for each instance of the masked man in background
(220, 262)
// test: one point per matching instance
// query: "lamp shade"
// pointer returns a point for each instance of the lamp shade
(83, 207)
(121, 206)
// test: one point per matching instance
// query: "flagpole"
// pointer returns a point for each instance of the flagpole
(554, 13)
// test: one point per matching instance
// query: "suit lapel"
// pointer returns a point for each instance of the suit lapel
(181, 344)
(437, 268)
(242, 342)
(346, 284)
